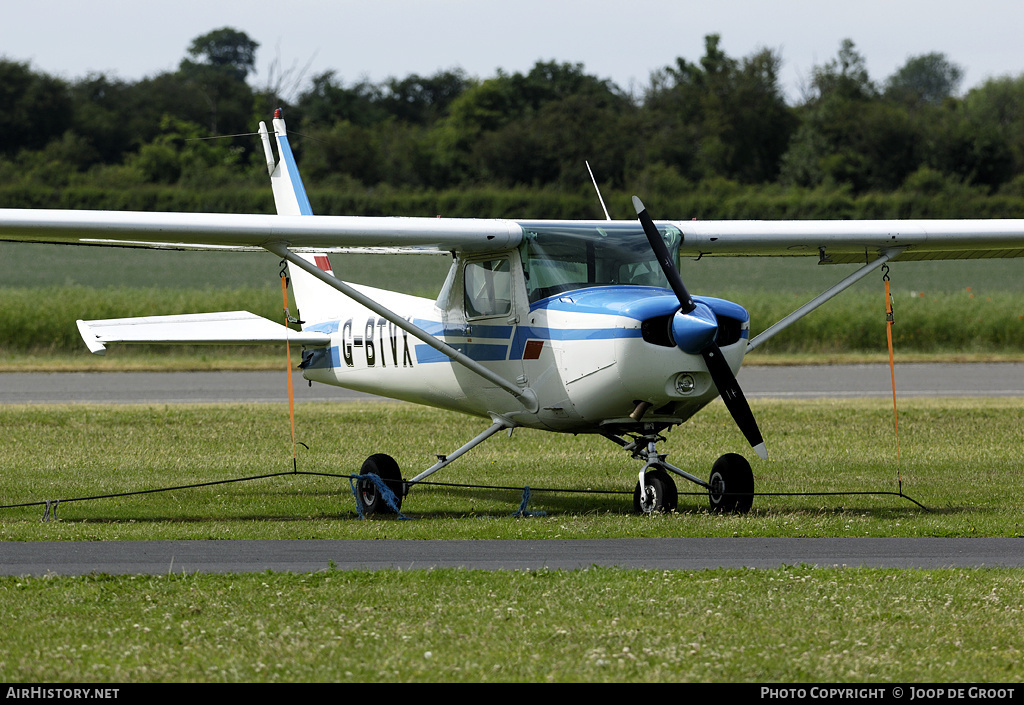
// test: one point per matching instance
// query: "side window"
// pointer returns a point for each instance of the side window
(488, 288)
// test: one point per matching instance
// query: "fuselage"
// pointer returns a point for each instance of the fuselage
(591, 353)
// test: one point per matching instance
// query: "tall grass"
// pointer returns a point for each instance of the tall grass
(940, 307)
(42, 320)
(715, 199)
(940, 323)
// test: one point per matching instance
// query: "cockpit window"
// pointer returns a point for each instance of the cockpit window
(488, 288)
(579, 255)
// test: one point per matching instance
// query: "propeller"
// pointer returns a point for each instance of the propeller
(694, 328)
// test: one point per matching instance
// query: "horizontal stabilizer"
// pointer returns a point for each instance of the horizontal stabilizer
(225, 328)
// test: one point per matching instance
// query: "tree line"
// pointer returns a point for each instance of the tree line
(720, 123)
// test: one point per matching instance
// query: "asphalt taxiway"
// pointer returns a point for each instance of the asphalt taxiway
(163, 557)
(757, 381)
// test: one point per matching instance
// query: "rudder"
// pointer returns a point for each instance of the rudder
(315, 300)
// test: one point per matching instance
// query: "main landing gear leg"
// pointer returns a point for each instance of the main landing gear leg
(386, 469)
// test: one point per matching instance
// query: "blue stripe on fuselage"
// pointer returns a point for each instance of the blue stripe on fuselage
(327, 327)
(481, 352)
(488, 343)
(527, 333)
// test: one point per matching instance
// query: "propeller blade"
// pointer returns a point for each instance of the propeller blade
(717, 365)
(664, 257)
(732, 395)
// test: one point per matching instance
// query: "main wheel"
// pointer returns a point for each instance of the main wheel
(732, 485)
(384, 467)
(666, 497)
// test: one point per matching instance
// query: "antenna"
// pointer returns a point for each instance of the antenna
(606, 216)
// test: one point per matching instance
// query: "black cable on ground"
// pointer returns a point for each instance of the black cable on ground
(52, 504)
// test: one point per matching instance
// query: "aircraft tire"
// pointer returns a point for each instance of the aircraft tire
(666, 497)
(732, 485)
(384, 467)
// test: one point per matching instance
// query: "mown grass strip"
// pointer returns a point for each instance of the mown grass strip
(786, 625)
(959, 458)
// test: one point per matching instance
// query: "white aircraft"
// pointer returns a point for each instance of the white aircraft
(566, 326)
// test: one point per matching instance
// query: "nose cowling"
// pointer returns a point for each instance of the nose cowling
(696, 330)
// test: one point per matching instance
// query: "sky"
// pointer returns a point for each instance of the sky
(622, 40)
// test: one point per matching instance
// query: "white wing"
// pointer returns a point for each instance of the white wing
(833, 241)
(239, 231)
(853, 241)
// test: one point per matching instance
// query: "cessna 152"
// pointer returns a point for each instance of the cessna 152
(566, 326)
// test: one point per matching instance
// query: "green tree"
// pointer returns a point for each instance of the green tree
(995, 110)
(37, 108)
(220, 62)
(328, 101)
(418, 100)
(720, 117)
(179, 155)
(227, 50)
(536, 128)
(928, 79)
(104, 115)
(848, 134)
(422, 100)
(843, 78)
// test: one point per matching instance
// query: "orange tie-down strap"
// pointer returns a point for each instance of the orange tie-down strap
(889, 321)
(288, 367)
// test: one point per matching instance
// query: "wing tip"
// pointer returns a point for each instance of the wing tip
(91, 339)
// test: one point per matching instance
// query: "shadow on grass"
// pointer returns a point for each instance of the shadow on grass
(341, 505)
(505, 502)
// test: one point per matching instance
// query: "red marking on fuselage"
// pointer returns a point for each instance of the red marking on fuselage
(532, 349)
(323, 263)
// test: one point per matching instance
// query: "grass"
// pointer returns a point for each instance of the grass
(944, 310)
(958, 457)
(38, 326)
(797, 624)
(33, 265)
(599, 625)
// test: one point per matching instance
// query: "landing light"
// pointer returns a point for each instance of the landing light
(684, 383)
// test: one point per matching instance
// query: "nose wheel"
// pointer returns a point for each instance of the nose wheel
(659, 495)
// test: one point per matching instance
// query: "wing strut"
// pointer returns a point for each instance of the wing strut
(527, 397)
(822, 298)
(442, 460)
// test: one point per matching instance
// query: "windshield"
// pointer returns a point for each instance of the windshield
(569, 256)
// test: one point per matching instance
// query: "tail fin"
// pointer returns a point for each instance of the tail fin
(314, 299)
(289, 193)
